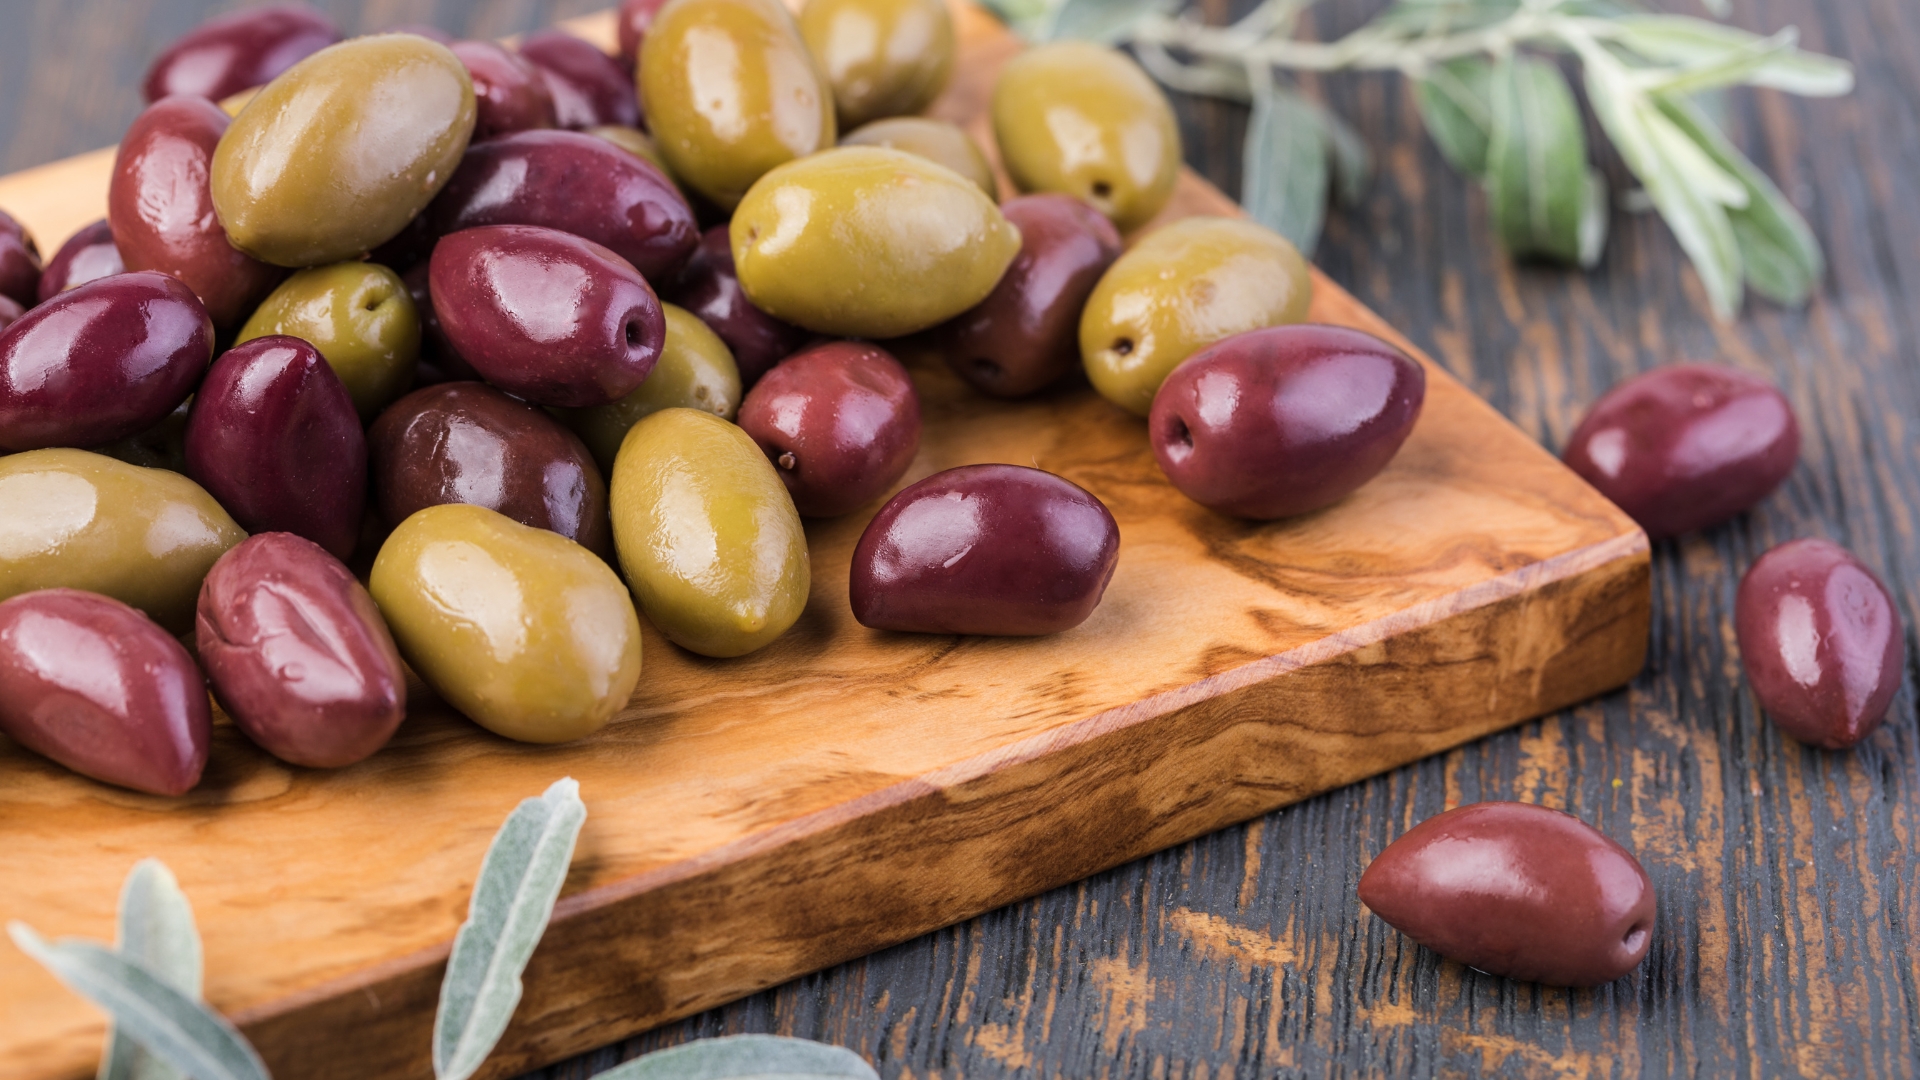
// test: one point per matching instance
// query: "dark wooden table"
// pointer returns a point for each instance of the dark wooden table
(1789, 878)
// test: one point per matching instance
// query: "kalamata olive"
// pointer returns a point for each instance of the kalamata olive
(509, 93)
(19, 262)
(297, 653)
(985, 549)
(1686, 447)
(1517, 890)
(576, 183)
(1283, 421)
(589, 87)
(87, 255)
(840, 422)
(1822, 642)
(10, 311)
(108, 359)
(711, 289)
(636, 18)
(160, 208)
(274, 436)
(223, 56)
(96, 686)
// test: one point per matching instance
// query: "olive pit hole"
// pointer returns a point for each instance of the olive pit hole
(1102, 189)
(787, 461)
(635, 334)
(985, 368)
(1181, 433)
(1635, 937)
(1123, 346)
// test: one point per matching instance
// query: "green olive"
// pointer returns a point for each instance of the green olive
(707, 534)
(336, 156)
(80, 520)
(882, 57)
(633, 141)
(695, 371)
(1179, 290)
(730, 92)
(526, 632)
(863, 242)
(935, 140)
(362, 319)
(1084, 120)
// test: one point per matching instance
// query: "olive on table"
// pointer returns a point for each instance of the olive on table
(881, 57)
(710, 289)
(839, 421)
(633, 141)
(96, 686)
(509, 92)
(634, 20)
(589, 88)
(695, 371)
(524, 631)
(707, 534)
(936, 140)
(1179, 290)
(1686, 447)
(362, 319)
(19, 262)
(87, 255)
(234, 52)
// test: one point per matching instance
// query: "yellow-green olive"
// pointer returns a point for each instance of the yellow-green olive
(882, 57)
(707, 534)
(1179, 290)
(935, 140)
(362, 319)
(633, 141)
(526, 632)
(695, 371)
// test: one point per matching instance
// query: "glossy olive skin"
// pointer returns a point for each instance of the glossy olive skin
(841, 423)
(730, 92)
(297, 653)
(225, 55)
(1179, 290)
(96, 686)
(19, 263)
(145, 537)
(509, 93)
(1822, 642)
(864, 242)
(1686, 447)
(362, 319)
(521, 629)
(589, 87)
(87, 255)
(1517, 890)
(707, 534)
(634, 20)
(936, 140)
(100, 362)
(576, 183)
(710, 288)
(695, 372)
(273, 435)
(335, 157)
(881, 57)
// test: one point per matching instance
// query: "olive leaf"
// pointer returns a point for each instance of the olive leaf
(156, 930)
(1456, 105)
(1540, 185)
(1352, 162)
(1721, 55)
(1284, 186)
(1102, 20)
(745, 1057)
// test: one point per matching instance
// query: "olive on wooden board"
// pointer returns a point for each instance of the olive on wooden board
(589, 88)
(881, 57)
(297, 653)
(707, 534)
(936, 140)
(524, 631)
(1284, 421)
(1686, 447)
(635, 18)
(1517, 890)
(999, 550)
(362, 319)
(87, 255)
(94, 685)
(1822, 642)
(19, 263)
(710, 289)
(509, 93)
(695, 372)
(237, 51)
(839, 421)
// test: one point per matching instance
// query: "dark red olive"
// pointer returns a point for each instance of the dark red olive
(1686, 447)
(19, 263)
(710, 288)
(575, 183)
(840, 422)
(1283, 421)
(635, 19)
(425, 30)
(1517, 890)
(100, 362)
(87, 255)
(161, 209)
(274, 437)
(223, 56)
(509, 91)
(464, 442)
(1822, 642)
(985, 549)
(298, 654)
(589, 87)
(98, 687)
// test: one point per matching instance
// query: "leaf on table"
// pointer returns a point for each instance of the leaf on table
(1539, 181)
(745, 1057)
(1730, 55)
(156, 930)
(1284, 183)
(1456, 105)
(1102, 20)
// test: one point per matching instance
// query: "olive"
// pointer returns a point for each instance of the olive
(589, 87)
(1179, 290)
(695, 372)
(10, 311)
(936, 140)
(19, 263)
(225, 55)
(633, 141)
(335, 157)
(634, 20)
(840, 422)
(362, 319)
(711, 290)
(881, 57)
(707, 534)
(731, 91)
(509, 93)
(521, 629)
(1516, 890)
(1686, 447)
(1084, 120)
(100, 362)
(273, 435)
(863, 242)
(85, 521)
(87, 255)
(94, 685)
(298, 654)
(1822, 642)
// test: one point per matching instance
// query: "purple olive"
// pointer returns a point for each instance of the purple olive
(510, 93)
(462, 442)
(589, 87)
(86, 256)
(985, 549)
(635, 19)
(98, 687)
(1283, 421)
(161, 209)
(100, 362)
(1686, 447)
(840, 423)
(297, 653)
(19, 263)
(1822, 642)
(1517, 890)
(223, 56)
(710, 288)
(575, 183)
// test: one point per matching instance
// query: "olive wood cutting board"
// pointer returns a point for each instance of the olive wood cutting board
(842, 790)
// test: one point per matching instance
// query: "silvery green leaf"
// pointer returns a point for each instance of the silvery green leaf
(1456, 105)
(1432, 17)
(1539, 185)
(1209, 78)
(187, 1035)
(1352, 163)
(512, 900)
(1284, 185)
(1102, 20)
(1699, 43)
(1594, 220)
(1719, 9)
(745, 1057)
(156, 931)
